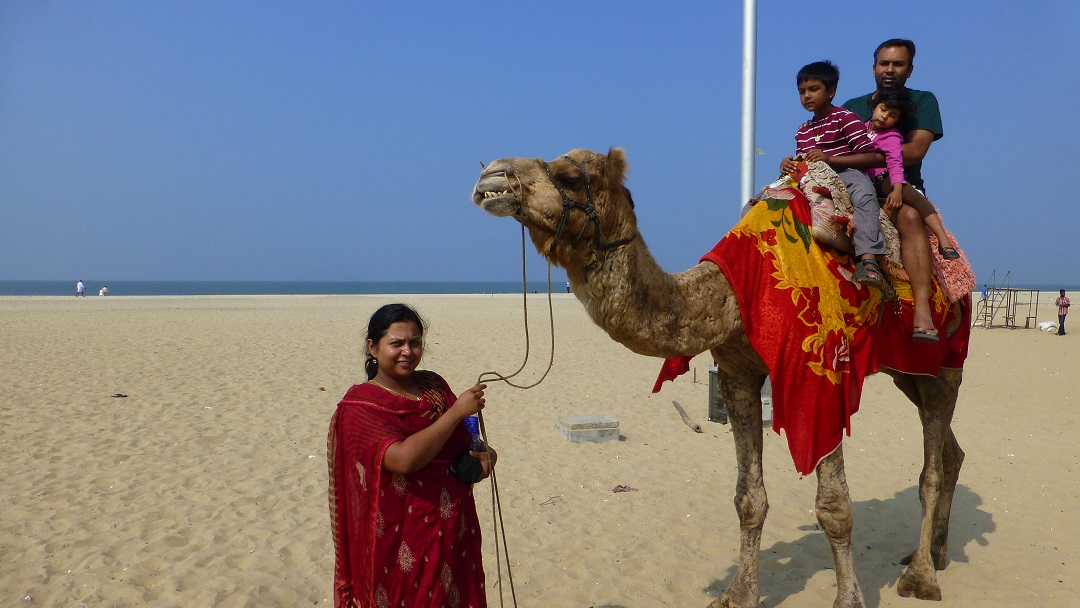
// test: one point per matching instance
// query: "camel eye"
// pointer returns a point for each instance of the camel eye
(571, 180)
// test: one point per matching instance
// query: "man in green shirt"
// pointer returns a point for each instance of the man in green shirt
(892, 68)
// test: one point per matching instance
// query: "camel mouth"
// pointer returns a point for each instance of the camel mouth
(494, 195)
(493, 199)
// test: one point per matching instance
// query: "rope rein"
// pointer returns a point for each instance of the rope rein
(497, 524)
(496, 376)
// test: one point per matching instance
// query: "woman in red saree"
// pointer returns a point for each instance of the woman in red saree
(405, 529)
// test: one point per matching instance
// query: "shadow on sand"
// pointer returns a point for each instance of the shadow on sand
(786, 566)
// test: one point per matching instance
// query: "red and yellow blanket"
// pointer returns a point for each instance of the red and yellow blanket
(818, 332)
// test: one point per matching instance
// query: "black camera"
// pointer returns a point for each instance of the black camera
(466, 468)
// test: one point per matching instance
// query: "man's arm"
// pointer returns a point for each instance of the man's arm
(917, 145)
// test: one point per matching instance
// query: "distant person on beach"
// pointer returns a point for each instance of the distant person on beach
(80, 289)
(1063, 309)
(401, 506)
(893, 64)
(104, 291)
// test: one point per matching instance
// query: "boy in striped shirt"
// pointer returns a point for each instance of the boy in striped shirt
(837, 137)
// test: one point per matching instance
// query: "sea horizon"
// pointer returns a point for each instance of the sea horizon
(231, 288)
(208, 288)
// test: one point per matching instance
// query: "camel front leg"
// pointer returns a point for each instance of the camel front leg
(834, 515)
(743, 398)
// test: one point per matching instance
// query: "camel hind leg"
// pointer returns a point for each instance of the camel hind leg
(952, 459)
(742, 395)
(942, 458)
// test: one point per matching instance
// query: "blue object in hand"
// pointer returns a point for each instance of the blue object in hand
(472, 424)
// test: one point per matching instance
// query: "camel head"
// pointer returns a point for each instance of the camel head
(574, 206)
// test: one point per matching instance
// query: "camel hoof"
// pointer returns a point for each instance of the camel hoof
(923, 588)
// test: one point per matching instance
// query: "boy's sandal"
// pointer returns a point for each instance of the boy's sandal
(948, 253)
(867, 272)
(927, 335)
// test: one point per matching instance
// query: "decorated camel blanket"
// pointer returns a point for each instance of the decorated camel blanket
(819, 332)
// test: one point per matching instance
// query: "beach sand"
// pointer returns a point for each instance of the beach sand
(206, 484)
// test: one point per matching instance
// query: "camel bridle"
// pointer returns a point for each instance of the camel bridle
(588, 208)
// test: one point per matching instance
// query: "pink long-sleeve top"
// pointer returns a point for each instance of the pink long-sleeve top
(890, 143)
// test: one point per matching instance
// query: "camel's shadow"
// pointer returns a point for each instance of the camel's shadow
(876, 569)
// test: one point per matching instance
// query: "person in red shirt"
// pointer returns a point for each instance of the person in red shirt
(1063, 309)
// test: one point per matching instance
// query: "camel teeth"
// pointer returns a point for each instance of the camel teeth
(494, 194)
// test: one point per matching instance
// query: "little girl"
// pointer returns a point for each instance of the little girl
(889, 106)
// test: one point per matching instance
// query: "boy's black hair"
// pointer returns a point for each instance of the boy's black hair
(893, 98)
(893, 42)
(825, 71)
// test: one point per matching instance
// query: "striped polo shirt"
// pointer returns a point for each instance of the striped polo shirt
(838, 134)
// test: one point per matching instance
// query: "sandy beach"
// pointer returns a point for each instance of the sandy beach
(206, 484)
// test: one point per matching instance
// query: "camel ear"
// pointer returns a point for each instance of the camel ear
(616, 165)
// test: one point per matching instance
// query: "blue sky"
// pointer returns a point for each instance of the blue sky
(340, 140)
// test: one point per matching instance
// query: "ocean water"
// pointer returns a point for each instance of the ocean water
(213, 288)
(208, 288)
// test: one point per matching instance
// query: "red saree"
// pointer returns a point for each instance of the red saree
(400, 539)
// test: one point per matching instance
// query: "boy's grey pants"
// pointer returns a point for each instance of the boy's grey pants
(863, 195)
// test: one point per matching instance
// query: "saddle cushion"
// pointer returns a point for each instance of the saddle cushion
(833, 225)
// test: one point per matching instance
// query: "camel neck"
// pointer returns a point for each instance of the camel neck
(655, 313)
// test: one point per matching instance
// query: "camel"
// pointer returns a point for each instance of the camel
(581, 217)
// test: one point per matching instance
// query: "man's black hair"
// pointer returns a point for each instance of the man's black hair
(825, 71)
(907, 44)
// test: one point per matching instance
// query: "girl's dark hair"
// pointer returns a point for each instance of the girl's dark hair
(379, 323)
(893, 98)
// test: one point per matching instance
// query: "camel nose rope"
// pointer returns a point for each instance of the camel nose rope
(496, 505)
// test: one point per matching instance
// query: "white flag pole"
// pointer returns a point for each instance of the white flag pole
(749, 98)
